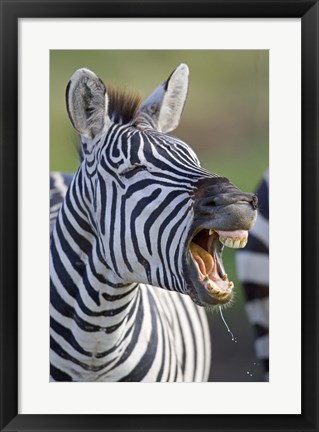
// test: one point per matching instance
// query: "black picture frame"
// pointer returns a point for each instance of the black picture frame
(11, 11)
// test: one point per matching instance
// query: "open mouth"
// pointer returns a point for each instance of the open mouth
(205, 250)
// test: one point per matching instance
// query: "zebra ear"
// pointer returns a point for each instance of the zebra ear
(165, 105)
(87, 103)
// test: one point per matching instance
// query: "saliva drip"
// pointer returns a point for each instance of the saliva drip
(228, 329)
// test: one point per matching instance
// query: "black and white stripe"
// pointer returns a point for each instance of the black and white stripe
(59, 184)
(151, 331)
(125, 218)
(165, 334)
(120, 261)
(253, 272)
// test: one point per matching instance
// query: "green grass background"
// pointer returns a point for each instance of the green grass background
(225, 121)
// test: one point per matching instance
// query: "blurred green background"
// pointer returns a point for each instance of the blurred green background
(225, 121)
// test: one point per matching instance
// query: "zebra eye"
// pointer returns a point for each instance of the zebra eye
(131, 171)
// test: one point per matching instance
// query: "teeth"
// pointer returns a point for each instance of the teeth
(213, 288)
(233, 243)
(243, 243)
(222, 240)
(211, 231)
(236, 243)
(224, 277)
(229, 242)
(221, 294)
(224, 295)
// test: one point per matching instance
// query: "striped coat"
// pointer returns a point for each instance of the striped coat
(136, 246)
(253, 272)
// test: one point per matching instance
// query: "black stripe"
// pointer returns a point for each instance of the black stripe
(113, 173)
(183, 360)
(203, 333)
(123, 234)
(86, 192)
(67, 335)
(185, 151)
(156, 214)
(109, 297)
(67, 91)
(165, 339)
(256, 245)
(99, 245)
(146, 361)
(112, 229)
(73, 257)
(193, 336)
(180, 153)
(136, 332)
(78, 185)
(266, 364)
(255, 291)
(125, 336)
(171, 236)
(263, 199)
(90, 164)
(173, 373)
(64, 276)
(82, 242)
(163, 226)
(69, 312)
(182, 182)
(58, 375)
(177, 166)
(159, 163)
(65, 355)
(135, 142)
(158, 278)
(103, 196)
(80, 221)
(177, 256)
(144, 202)
(260, 331)
(97, 275)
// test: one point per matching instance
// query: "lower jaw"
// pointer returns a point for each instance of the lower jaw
(218, 287)
(212, 288)
(202, 297)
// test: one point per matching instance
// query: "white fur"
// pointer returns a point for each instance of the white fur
(165, 107)
(174, 100)
(86, 90)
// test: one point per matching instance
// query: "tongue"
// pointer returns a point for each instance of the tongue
(201, 265)
(203, 258)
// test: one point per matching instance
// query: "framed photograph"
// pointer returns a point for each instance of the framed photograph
(229, 91)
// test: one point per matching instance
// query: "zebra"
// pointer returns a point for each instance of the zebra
(59, 184)
(136, 246)
(253, 272)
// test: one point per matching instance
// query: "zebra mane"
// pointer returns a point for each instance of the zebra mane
(123, 104)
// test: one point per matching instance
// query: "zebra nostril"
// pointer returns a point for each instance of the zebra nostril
(211, 203)
(206, 206)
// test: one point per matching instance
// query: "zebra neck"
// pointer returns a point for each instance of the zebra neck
(87, 303)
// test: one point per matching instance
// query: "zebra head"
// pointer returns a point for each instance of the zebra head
(158, 216)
